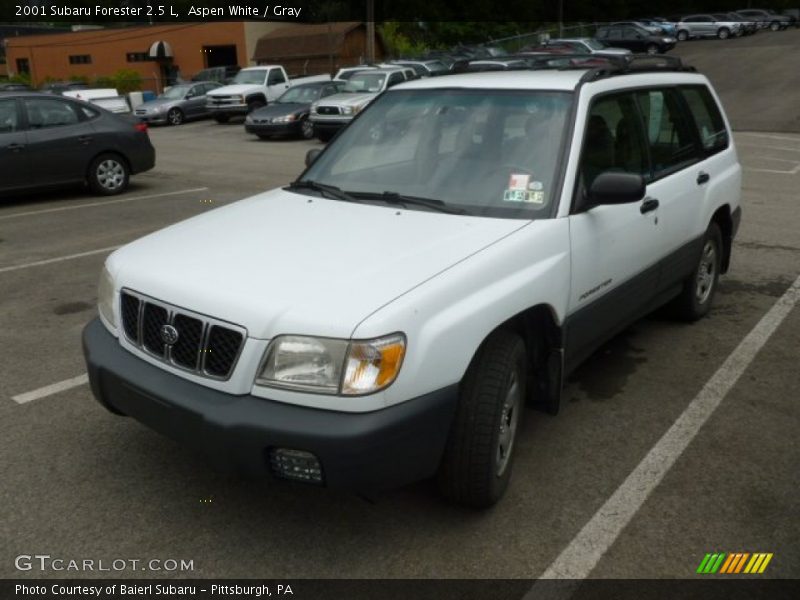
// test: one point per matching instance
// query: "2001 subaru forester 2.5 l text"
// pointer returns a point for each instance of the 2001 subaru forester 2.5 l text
(462, 245)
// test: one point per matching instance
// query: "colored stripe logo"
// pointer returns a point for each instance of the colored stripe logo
(734, 563)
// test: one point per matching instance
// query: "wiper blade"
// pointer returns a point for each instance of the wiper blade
(402, 200)
(323, 188)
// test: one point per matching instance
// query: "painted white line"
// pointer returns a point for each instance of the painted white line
(583, 553)
(57, 259)
(771, 137)
(794, 171)
(100, 203)
(768, 147)
(49, 390)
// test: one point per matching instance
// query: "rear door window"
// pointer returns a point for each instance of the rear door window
(707, 118)
(44, 113)
(9, 116)
(669, 131)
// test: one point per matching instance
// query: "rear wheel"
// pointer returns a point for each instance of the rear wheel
(477, 462)
(774, 26)
(175, 116)
(108, 174)
(724, 33)
(683, 35)
(695, 299)
(221, 118)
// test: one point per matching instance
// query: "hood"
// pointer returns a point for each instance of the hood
(278, 110)
(158, 103)
(347, 99)
(283, 262)
(235, 89)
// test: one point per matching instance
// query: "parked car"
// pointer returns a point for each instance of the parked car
(251, 89)
(446, 260)
(424, 68)
(288, 115)
(107, 98)
(486, 64)
(665, 26)
(331, 114)
(748, 26)
(59, 87)
(10, 86)
(53, 141)
(706, 25)
(179, 103)
(766, 18)
(634, 38)
(221, 75)
(581, 46)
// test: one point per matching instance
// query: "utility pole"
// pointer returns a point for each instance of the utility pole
(370, 31)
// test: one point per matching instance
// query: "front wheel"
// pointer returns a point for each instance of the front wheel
(774, 26)
(683, 35)
(255, 105)
(476, 466)
(108, 175)
(175, 116)
(724, 33)
(695, 299)
(325, 136)
(221, 118)
(307, 129)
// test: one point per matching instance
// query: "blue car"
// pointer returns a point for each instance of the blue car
(669, 29)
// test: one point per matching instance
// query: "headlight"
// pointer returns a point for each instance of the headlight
(105, 298)
(332, 366)
(347, 110)
(285, 119)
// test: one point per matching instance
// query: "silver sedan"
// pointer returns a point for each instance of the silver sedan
(177, 104)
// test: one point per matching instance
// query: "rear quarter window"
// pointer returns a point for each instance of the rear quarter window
(707, 118)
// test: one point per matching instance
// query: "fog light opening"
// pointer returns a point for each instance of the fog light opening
(297, 465)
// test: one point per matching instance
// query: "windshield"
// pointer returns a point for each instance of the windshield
(594, 44)
(487, 152)
(176, 91)
(300, 95)
(365, 82)
(435, 66)
(258, 76)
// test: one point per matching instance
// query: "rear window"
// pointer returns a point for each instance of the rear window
(707, 118)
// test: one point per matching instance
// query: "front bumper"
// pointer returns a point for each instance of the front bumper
(290, 128)
(153, 118)
(227, 109)
(362, 452)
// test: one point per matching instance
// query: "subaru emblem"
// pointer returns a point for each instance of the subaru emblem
(169, 335)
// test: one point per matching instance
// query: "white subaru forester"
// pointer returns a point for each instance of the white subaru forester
(447, 259)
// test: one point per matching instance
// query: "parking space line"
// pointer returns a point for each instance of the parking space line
(771, 137)
(49, 390)
(794, 171)
(100, 203)
(768, 147)
(48, 261)
(582, 554)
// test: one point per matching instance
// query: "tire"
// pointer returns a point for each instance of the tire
(478, 458)
(221, 118)
(255, 105)
(774, 26)
(683, 35)
(108, 174)
(307, 129)
(175, 116)
(697, 295)
(652, 49)
(263, 136)
(724, 33)
(325, 136)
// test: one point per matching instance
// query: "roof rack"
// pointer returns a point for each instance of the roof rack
(602, 65)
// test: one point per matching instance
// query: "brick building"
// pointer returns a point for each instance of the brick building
(157, 52)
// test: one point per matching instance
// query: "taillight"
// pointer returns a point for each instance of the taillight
(141, 127)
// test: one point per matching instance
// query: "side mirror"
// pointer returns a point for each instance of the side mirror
(312, 155)
(615, 187)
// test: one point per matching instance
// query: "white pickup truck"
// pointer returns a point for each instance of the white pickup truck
(251, 89)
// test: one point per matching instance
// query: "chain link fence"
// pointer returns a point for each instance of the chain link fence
(518, 42)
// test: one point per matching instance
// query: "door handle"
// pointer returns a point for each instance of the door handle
(648, 205)
(85, 139)
(702, 177)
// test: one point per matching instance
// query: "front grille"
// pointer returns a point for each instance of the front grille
(328, 110)
(204, 345)
(141, 111)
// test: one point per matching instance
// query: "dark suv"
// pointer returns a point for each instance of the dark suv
(636, 39)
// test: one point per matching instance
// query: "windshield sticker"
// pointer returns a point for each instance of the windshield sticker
(535, 186)
(519, 181)
(527, 196)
